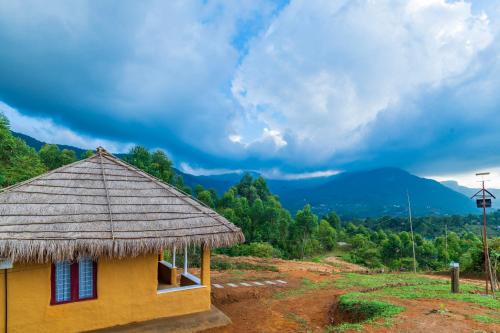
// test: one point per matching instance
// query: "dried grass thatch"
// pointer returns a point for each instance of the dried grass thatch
(102, 206)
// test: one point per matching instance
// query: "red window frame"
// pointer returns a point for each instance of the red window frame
(75, 286)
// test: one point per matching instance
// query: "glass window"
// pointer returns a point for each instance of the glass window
(85, 278)
(73, 282)
(63, 281)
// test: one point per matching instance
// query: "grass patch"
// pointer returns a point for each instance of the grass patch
(486, 319)
(303, 323)
(358, 310)
(371, 303)
(343, 327)
(374, 281)
(305, 286)
(222, 265)
(440, 291)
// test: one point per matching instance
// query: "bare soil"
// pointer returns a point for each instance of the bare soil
(259, 309)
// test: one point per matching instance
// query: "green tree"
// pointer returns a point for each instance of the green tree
(333, 219)
(206, 197)
(51, 156)
(305, 225)
(18, 162)
(87, 154)
(67, 157)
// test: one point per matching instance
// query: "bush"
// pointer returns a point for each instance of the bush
(257, 249)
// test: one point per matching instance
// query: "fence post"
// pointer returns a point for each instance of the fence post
(455, 277)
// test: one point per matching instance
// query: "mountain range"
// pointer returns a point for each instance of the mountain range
(365, 193)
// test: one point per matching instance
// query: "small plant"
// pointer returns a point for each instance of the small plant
(442, 309)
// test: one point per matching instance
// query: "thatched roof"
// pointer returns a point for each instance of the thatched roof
(102, 206)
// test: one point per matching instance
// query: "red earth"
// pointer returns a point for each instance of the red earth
(261, 309)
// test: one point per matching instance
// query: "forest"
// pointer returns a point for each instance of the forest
(272, 231)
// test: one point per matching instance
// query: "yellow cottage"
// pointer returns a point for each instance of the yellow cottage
(82, 249)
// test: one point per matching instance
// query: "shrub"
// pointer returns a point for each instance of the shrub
(256, 249)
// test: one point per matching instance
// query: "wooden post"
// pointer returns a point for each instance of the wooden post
(173, 271)
(205, 265)
(173, 258)
(455, 272)
(185, 258)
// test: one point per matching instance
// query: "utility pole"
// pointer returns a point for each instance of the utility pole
(411, 232)
(484, 200)
(446, 241)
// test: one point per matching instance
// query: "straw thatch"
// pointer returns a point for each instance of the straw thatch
(102, 206)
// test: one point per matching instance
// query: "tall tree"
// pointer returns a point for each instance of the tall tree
(305, 224)
(18, 162)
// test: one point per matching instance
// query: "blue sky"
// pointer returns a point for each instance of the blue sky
(288, 88)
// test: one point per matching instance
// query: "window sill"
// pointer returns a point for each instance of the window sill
(170, 290)
(75, 301)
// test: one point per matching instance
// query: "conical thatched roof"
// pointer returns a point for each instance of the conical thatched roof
(102, 206)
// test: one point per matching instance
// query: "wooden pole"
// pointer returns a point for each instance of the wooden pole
(185, 258)
(446, 242)
(455, 276)
(411, 231)
(485, 243)
(173, 257)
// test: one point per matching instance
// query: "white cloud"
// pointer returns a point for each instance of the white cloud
(278, 174)
(186, 168)
(301, 94)
(324, 70)
(235, 138)
(162, 66)
(469, 178)
(46, 130)
(275, 136)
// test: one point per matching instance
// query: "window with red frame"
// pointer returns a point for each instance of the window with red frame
(72, 282)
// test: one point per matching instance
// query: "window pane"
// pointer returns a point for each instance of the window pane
(63, 281)
(86, 278)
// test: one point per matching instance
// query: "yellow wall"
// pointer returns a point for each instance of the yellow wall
(126, 292)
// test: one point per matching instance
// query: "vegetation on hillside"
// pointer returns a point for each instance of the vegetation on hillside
(270, 230)
(18, 162)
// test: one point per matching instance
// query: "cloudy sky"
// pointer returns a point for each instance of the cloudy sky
(290, 88)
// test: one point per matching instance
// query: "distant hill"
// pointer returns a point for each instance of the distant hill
(357, 194)
(221, 183)
(32, 142)
(368, 193)
(380, 192)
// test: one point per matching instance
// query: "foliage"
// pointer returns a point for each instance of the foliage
(256, 249)
(54, 158)
(220, 264)
(18, 162)
(376, 248)
(367, 310)
(434, 226)
(270, 230)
